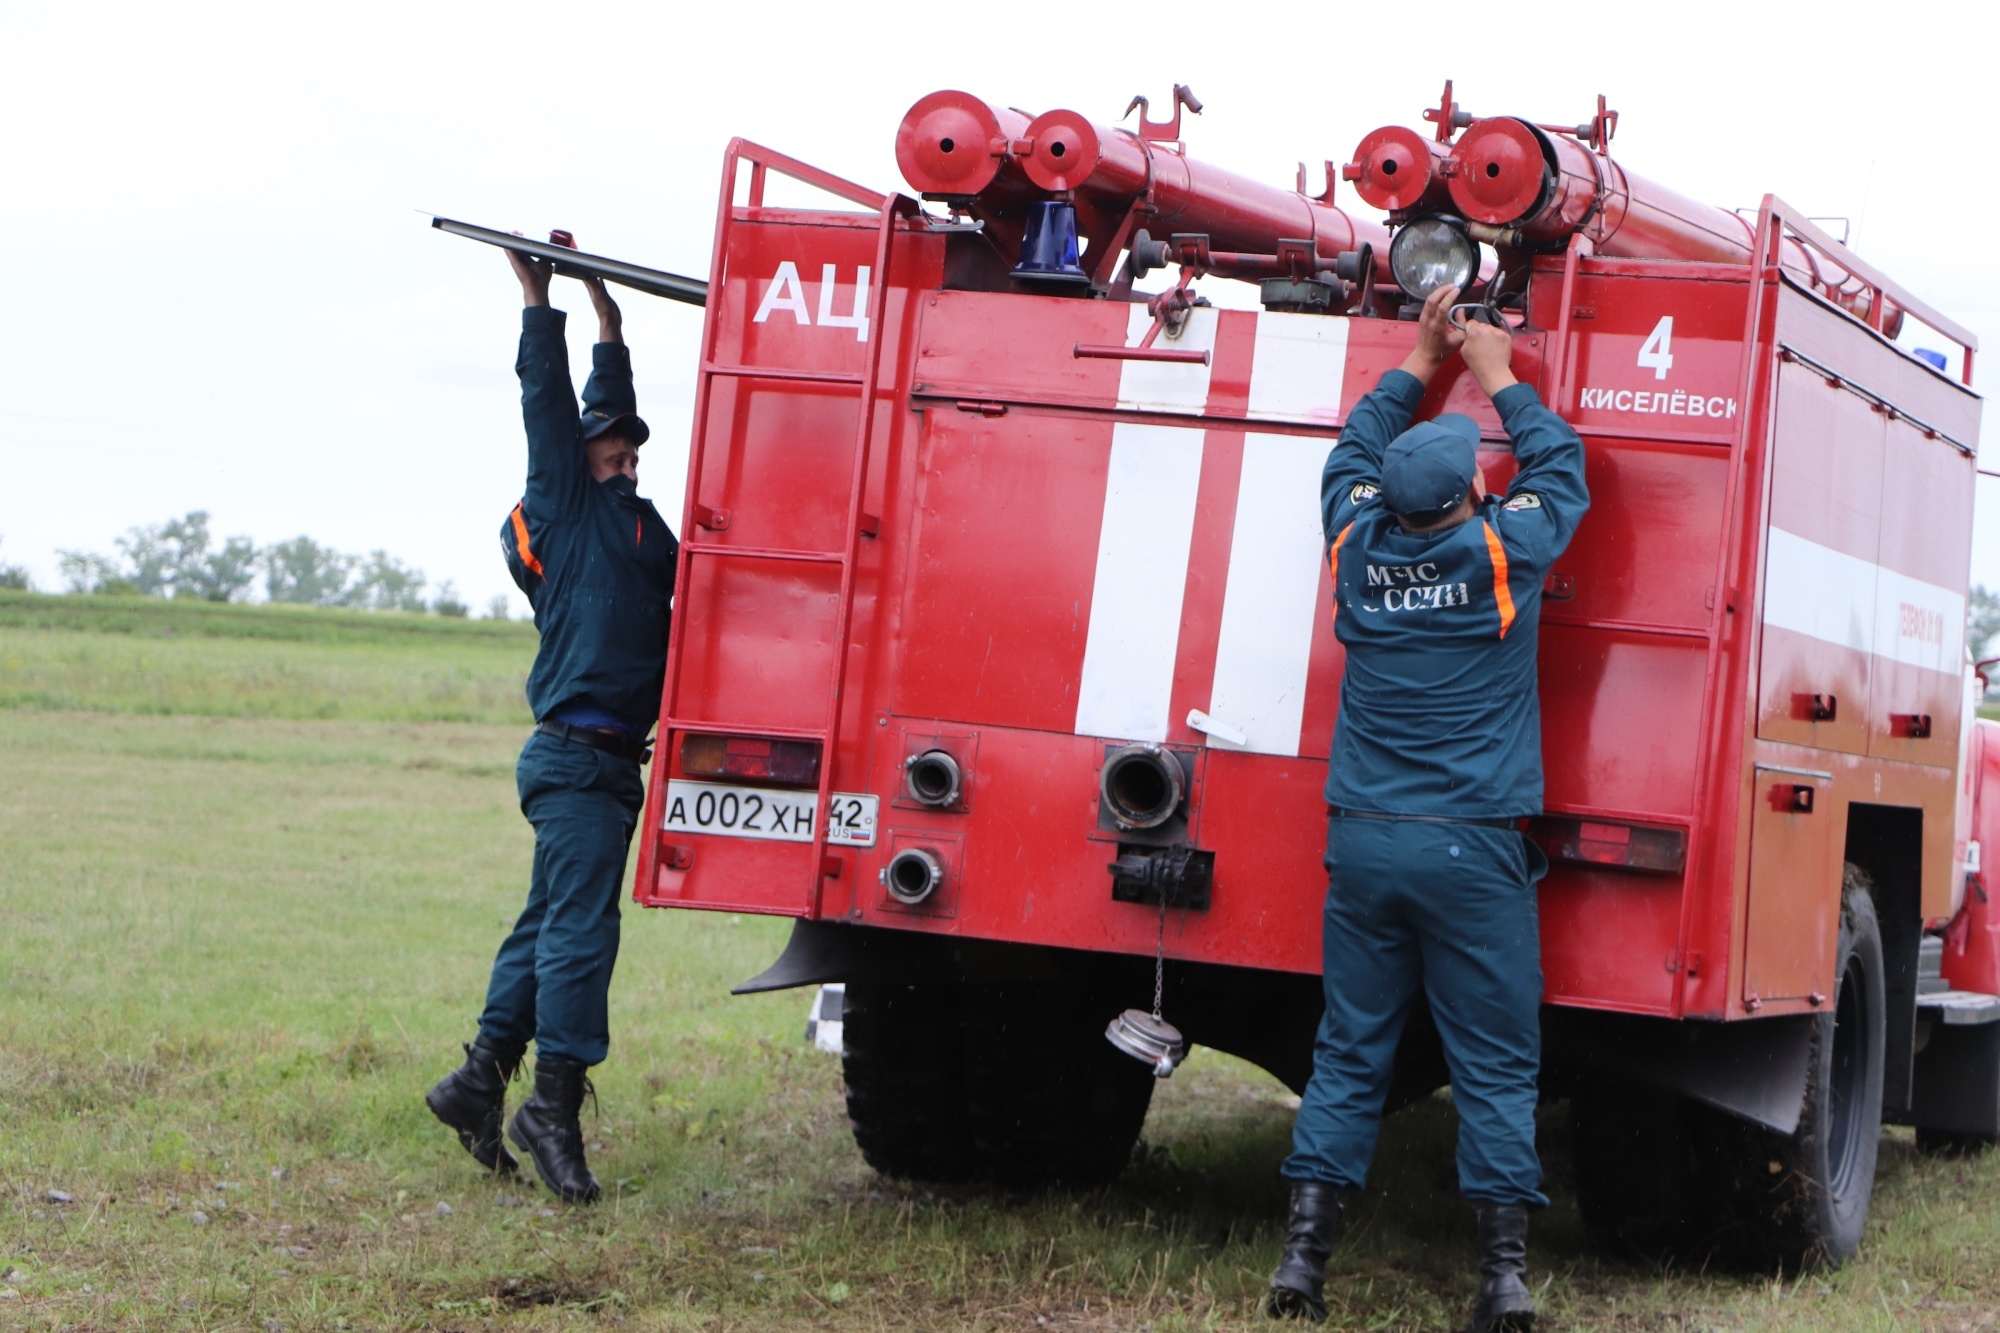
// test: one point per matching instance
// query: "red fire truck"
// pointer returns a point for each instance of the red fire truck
(1003, 656)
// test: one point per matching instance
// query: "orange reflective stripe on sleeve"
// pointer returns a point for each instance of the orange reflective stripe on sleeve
(1333, 563)
(521, 541)
(1503, 596)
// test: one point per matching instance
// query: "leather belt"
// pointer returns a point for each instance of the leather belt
(1511, 825)
(630, 748)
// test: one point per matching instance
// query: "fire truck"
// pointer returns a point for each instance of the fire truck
(1003, 656)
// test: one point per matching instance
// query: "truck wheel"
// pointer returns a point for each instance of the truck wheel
(905, 1080)
(1051, 1102)
(1635, 1173)
(1803, 1199)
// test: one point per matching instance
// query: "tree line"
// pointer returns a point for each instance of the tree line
(181, 558)
(178, 558)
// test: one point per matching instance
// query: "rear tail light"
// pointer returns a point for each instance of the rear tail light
(1627, 846)
(750, 758)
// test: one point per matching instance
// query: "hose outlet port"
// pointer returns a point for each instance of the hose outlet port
(1142, 786)
(933, 778)
(912, 876)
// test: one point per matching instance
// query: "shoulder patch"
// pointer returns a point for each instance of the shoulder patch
(1525, 500)
(1363, 491)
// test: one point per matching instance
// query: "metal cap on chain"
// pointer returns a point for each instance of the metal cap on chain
(1149, 1038)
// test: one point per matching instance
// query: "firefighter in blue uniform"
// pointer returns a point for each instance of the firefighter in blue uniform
(1436, 758)
(597, 564)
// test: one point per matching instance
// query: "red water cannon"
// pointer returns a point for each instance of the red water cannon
(1526, 187)
(1116, 180)
(954, 147)
(1399, 171)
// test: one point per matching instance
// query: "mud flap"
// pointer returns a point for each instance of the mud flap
(1755, 1069)
(1958, 1081)
(823, 951)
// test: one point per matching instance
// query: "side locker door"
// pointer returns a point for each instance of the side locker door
(1926, 548)
(1815, 676)
(1794, 909)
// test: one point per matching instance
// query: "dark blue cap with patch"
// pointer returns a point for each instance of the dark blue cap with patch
(1427, 470)
(597, 421)
(608, 398)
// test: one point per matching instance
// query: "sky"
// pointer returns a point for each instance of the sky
(224, 294)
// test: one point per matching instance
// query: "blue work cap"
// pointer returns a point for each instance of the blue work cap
(608, 401)
(1428, 469)
(597, 421)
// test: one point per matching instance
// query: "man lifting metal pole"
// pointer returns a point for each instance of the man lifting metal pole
(597, 564)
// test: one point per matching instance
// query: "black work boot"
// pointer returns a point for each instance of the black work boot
(1504, 1300)
(1298, 1287)
(546, 1129)
(472, 1100)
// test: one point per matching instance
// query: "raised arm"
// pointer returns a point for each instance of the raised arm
(610, 321)
(1354, 468)
(1547, 497)
(609, 388)
(557, 468)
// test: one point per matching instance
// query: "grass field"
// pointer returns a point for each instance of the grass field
(146, 655)
(253, 863)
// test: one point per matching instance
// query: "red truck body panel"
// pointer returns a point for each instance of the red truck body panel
(1026, 556)
(1972, 945)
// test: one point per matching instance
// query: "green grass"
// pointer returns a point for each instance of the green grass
(234, 950)
(148, 655)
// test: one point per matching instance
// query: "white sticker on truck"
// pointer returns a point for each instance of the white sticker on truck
(1842, 599)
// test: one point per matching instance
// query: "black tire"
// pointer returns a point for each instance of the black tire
(1635, 1170)
(1050, 1101)
(906, 1080)
(1799, 1200)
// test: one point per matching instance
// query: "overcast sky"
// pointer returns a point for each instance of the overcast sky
(224, 293)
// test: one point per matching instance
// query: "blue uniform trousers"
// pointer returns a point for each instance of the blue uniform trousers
(1450, 907)
(552, 977)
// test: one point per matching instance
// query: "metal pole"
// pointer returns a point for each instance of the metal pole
(577, 264)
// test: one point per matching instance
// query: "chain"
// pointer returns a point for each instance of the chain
(1160, 959)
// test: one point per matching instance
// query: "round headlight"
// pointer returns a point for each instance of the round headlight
(1430, 253)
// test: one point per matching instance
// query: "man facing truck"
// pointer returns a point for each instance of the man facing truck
(1436, 759)
(597, 564)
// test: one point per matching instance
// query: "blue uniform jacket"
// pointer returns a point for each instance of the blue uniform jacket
(596, 560)
(1438, 707)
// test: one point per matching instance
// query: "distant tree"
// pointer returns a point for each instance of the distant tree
(178, 558)
(385, 583)
(16, 577)
(447, 603)
(156, 553)
(498, 608)
(85, 571)
(303, 571)
(170, 559)
(1985, 619)
(219, 576)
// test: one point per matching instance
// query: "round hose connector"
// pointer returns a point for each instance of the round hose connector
(1142, 786)
(933, 778)
(912, 875)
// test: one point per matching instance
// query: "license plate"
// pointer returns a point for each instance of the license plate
(759, 812)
